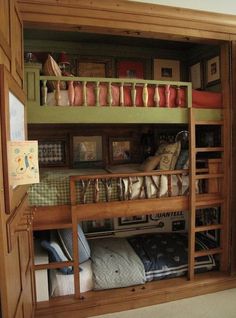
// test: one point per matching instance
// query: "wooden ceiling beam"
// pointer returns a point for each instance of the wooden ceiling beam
(128, 18)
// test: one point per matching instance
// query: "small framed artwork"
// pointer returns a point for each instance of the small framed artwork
(195, 75)
(213, 71)
(52, 152)
(166, 70)
(94, 67)
(130, 69)
(120, 150)
(130, 220)
(87, 149)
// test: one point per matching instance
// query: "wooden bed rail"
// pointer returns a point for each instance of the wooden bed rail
(132, 186)
(161, 89)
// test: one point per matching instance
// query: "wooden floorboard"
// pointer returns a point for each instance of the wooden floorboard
(101, 302)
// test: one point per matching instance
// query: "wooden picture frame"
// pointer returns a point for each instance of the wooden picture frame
(196, 75)
(166, 70)
(120, 150)
(87, 149)
(12, 106)
(52, 152)
(213, 71)
(130, 69)
(94, 67)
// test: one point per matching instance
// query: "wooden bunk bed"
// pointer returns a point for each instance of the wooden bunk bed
(69, 215)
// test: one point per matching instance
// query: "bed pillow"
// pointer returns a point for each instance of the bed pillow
(182, 159)
(169, 154)
(56, 254)
(51, 68)
(65, 236)
(205, 99)
(150, 163)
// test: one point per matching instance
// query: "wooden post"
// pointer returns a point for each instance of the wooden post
(157, 96)
(145, 95)
(71, 93)
(122, 94)
(44, 91)
(97, 93)
(57, 93)
(133, 94)
(110, 99)
(85, 93)
(192, 196)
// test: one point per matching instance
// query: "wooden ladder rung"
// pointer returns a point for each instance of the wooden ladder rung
(211, 251)
(209, 149)
(53, 265)
(209, 176)
(202, 170)
(210, 122)
(209, 204)
(208, 227)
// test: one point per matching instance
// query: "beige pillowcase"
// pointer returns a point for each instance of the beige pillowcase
(150, 163)
(51, 68)
(169, 154)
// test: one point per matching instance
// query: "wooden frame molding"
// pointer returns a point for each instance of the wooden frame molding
(128, 18)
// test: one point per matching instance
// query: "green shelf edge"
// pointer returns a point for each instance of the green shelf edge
(116, 115)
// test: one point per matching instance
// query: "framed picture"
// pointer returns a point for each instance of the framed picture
(166, 70)
(52, 152)
(130, 69)
(87, 148)
(196, 76)
(130, 220)
(94, 67)
(120, 150)
(213, 70)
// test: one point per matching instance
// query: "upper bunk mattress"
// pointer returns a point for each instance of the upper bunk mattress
(54, 186)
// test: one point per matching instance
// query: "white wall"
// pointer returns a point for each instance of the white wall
(226, 6)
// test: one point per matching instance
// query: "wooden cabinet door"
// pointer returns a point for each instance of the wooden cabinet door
(16, 44)
(11, 39)
(5, 36)
(17, 283)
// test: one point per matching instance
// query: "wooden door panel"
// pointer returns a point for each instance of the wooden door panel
(28, 297)
(20, 311)
(5, 21)
(5, 49)
(24, 251)
(14, 280)
(17, 44)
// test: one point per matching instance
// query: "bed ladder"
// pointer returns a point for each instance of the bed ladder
(215, 180)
